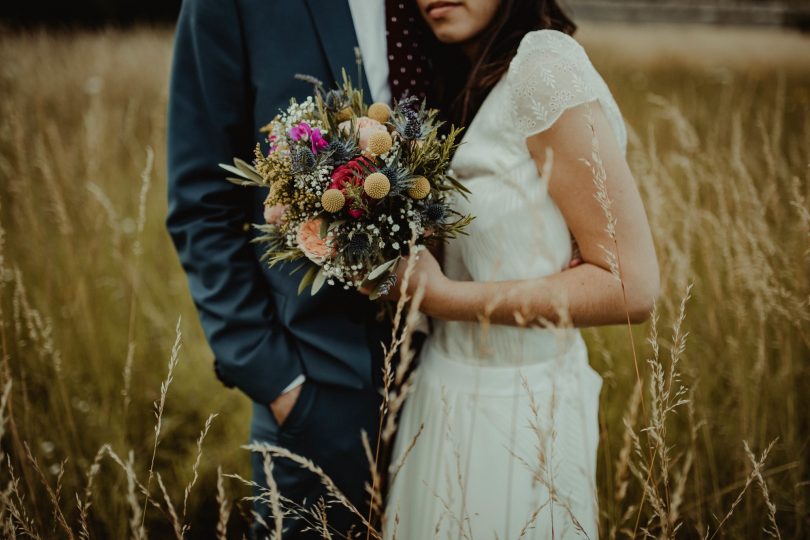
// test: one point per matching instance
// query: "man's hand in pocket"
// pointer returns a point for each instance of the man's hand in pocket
(284, 403)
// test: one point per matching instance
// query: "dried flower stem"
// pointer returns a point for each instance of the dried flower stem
(224, 507)
(757, 470)
(159, 406)
(195, 468)
(53, 495)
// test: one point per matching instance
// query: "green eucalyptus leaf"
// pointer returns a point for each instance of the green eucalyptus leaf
(371, 284)
(234, 170)
(382, 269)
(318, 282)
(240, 181)
(335, 224)
(378, 287)
(247, 169)
(375, 294)
(308, 279)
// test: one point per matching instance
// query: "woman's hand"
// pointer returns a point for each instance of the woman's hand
(426, 270)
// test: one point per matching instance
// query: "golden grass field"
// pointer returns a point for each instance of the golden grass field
(91, 293)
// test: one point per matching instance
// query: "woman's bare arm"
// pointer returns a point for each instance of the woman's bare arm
(589, 293)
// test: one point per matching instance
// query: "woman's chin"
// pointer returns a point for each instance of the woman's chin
(451, 36)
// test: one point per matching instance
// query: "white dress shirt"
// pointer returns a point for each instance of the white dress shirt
(369, 25)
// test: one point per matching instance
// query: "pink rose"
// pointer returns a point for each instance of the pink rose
(274, 213)
(310, 242)
(365, 127)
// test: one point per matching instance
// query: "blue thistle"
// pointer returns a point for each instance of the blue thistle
(435, 212)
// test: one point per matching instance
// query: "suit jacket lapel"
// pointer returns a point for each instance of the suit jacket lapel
(335, 28)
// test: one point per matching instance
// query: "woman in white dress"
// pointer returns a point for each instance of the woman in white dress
(499, 436)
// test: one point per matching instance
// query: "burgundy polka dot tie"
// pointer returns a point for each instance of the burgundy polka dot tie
(407, 57)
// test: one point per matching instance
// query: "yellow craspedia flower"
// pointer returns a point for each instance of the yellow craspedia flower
(333, 200)
(377, 185)
(420, 188)
(344, 114)
(379, 142)
(379, 112)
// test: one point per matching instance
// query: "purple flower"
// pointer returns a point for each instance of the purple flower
(301, 131)
(304, 132)
(318, 142)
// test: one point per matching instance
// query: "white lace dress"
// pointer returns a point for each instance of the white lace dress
(504, 418)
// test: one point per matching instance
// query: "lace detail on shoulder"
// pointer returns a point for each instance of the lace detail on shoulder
(552, 73)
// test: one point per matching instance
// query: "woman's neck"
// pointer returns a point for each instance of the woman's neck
(471, 49)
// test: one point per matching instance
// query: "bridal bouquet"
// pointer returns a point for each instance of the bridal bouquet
(351, 185)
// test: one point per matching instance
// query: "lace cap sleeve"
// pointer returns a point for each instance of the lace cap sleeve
(549, 74)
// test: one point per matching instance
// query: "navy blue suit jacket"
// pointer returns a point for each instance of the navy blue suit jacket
(233, 69)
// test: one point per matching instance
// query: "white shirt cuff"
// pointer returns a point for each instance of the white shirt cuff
(298, 381)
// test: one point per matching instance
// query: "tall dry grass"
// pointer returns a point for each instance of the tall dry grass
(720, 146)
(90, 293)
(91, 288)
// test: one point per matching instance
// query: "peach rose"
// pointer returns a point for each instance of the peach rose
(274, 213)
(365, 127)
(310, 242)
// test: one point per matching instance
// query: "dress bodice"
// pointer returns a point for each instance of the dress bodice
(518, 231)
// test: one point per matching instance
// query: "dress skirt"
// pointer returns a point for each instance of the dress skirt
(497, 452)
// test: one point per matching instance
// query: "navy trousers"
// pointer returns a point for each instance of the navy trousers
(325, 425)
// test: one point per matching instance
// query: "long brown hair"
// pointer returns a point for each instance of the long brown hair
(460, 87)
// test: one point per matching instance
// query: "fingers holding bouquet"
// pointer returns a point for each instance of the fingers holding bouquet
(418, 269)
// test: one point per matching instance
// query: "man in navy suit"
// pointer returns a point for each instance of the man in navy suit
(310, 364)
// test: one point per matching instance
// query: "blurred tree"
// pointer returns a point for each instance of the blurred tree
(87, 12)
